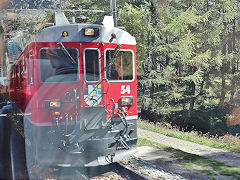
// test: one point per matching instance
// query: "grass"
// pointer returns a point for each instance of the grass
(205, 171)
(226, 142)
(145, 142)
(190, 160)
(207, 166)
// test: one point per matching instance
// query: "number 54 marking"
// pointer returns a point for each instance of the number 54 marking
(125, 89)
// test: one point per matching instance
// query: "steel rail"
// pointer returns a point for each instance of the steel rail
(128, 172)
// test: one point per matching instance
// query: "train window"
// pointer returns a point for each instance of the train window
(91, 64)
(30, 75)
(119, 65)
(58, 66)
(21, 73)
(31, 54)
(23, 65)
(28, 72)
(17, 75)
(11, 80)
(33, 67)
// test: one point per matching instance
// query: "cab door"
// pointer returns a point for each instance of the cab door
(92, 65)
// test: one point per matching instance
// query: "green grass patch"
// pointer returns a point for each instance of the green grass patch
(192, 137)
(146, 142)
(192, 160)
(205, 171)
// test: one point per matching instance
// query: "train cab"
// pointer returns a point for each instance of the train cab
(76, 86)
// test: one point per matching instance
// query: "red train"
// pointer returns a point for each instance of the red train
(76, 87)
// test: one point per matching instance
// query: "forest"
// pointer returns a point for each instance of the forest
(187, 60)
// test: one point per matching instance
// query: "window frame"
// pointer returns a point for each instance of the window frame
(28, 72)
(30, 69)
(84, 64)
(21, 72)
(33, 66)
(133, 63)
(12, 79)
(17, 76)
(66, 82)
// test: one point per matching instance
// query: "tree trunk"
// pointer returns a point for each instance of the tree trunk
(189, 3)
(223, 91)
(192, 99)
(223, 71)
(233, 80)
(207, 7)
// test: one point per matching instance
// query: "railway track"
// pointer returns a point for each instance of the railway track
(135, 168)
(119, 171)
(109, 172)
(128, 172)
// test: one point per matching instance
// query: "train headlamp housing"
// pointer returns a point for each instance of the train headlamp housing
(91, 32)
(64, 34)
(126, 101)
(53, 104)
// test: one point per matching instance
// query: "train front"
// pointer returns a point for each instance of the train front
(83, 106)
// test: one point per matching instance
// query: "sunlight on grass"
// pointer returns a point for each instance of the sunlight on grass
(192, 160)
(227, 142)
(145, 142)
(205, 171)
(220, 167)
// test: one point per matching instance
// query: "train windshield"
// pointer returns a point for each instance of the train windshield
(119, 65)
(58, 65)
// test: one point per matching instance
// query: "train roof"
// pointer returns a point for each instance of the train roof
(107, 34)
(75, 33)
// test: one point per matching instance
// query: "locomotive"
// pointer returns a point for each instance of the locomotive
(75, 87)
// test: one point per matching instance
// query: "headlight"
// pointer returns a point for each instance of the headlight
(53, 104)
(64, 34)
(126, 100)
(92, 32)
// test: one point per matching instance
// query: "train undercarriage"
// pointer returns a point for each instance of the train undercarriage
(91, 141)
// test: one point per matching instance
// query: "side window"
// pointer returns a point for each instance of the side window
(119, 65)
(33, 66)
(92, 67)
(29, 65)
(17, 77)
(21, 69)
(28, 72)
(24, 65)
(21, 72)
(11, 79)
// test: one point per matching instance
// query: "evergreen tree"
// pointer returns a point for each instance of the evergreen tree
(187, 52)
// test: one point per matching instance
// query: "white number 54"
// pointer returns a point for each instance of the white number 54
(125, 89)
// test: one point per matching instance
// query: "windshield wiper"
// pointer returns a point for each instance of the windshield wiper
(60, 44)
(111, 59)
